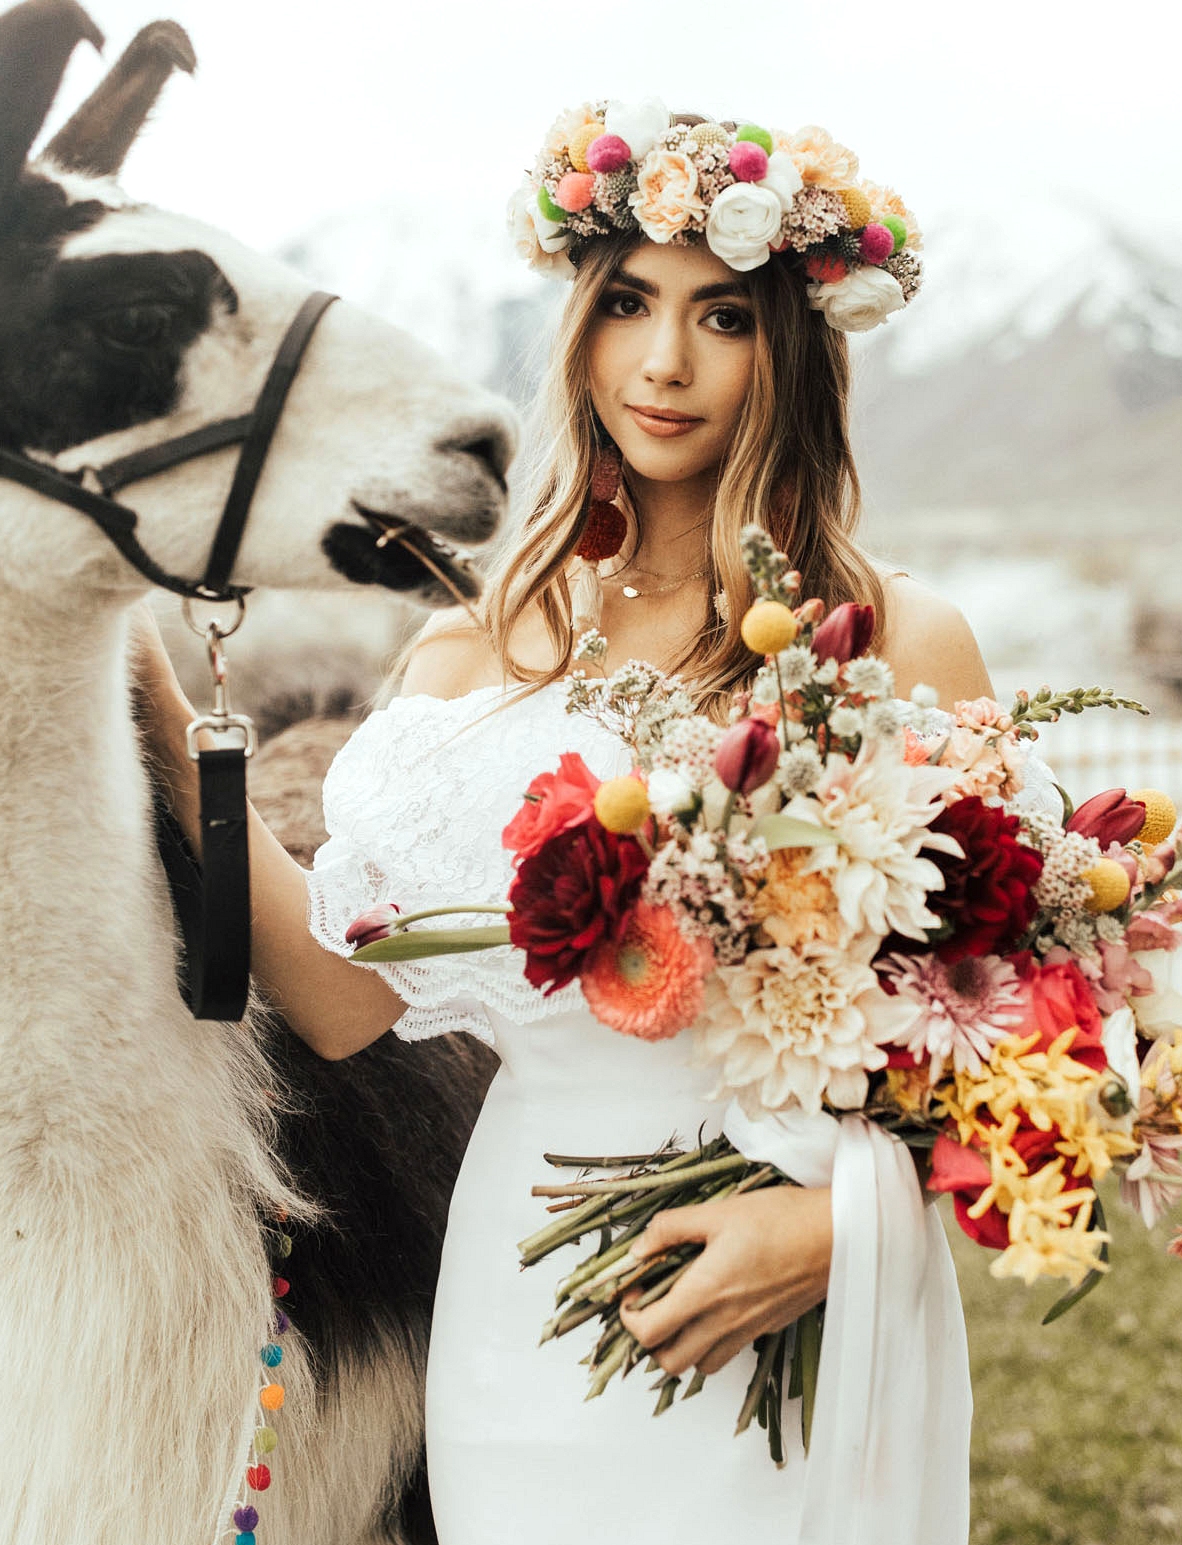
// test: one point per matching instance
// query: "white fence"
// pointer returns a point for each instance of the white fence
(1103, 749)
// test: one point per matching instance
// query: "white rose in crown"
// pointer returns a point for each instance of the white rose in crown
(743, 222)
(540, 241)
(638, 124)
(783, 178)
(860, 301)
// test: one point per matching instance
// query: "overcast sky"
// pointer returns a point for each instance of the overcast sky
(300, 108)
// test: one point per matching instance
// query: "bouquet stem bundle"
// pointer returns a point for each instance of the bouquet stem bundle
(620, 1208)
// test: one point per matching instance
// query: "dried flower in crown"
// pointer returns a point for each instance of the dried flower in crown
(748, 192)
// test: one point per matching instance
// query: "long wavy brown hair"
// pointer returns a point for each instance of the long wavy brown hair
(790, 470)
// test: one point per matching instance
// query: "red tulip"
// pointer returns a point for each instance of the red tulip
(747, 755)
(1109, 817)
(377, 923)
(845, 633)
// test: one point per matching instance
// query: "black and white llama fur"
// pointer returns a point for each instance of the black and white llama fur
(141, 1152)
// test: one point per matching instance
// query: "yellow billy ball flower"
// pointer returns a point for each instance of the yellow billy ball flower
(857, 207)
(1110, 885)
(621, 804)
(580, 142)
(768, 627)
(1160, 816)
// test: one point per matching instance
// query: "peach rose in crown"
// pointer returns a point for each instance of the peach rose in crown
(666, 198)
(821, 161)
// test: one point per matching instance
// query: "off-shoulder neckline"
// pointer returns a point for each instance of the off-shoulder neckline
(461, 697)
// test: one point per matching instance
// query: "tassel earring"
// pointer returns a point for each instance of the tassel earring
(604, 529)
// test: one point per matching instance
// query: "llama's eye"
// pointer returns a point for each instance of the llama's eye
(135, 327)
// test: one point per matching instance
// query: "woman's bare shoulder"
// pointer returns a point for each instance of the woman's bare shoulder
(926, 638)
(450, 656)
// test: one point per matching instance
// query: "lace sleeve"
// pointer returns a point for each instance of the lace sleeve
(356, 869)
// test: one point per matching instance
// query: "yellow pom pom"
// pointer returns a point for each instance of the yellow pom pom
(1110, 885)
(1160, 816)
(768, 627)
(579, 140)
(271, 1397)
(621, 804)
(857, 207)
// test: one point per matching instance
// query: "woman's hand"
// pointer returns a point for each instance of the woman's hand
(765, 1262)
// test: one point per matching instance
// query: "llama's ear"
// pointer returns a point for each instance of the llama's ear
(99, 135)
(36, 41)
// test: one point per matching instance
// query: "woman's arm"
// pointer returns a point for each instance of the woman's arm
(335, 1006)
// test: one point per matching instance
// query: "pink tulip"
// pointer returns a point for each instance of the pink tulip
(845, 633)
(377, 923)
(747, 755)
(1109, 817)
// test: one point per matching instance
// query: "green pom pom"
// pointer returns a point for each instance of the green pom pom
(549, 208)
(897, 228)
(757, 136)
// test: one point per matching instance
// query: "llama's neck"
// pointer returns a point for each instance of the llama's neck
(79, 888)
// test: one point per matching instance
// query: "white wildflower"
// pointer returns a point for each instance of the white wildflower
(799, 768)
(797, 664)
(846, 722)
(869, 677)
(590, 645)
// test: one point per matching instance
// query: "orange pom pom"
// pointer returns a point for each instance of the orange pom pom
(271, 1397)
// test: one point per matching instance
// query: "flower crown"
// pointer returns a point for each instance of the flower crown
(750, 191)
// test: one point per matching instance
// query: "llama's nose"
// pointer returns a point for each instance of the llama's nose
(492, 441)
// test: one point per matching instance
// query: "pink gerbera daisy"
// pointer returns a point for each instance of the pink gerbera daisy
(649, 981)
(961, 1010)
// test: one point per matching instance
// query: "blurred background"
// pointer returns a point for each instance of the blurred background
(1018, 429)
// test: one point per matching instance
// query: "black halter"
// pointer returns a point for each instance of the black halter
(254, 431)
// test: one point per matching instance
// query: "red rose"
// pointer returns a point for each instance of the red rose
(554, 802)
(1056, 998)
(577, 889)
(988, 896)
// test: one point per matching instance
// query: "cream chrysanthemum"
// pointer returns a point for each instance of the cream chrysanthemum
(794, 1027)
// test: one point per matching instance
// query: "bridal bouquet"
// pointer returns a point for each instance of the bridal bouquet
(854, 905)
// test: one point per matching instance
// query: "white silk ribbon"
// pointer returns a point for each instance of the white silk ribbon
(888, 1459)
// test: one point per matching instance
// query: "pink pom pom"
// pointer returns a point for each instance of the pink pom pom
(608, 153)
(877, 243)
(576, 190)
(748, 161)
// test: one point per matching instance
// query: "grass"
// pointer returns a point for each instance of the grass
(1077, 1432)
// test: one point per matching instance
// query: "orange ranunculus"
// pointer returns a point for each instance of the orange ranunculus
(554, 802)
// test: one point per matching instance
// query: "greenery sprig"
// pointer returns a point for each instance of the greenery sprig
(1047, 707)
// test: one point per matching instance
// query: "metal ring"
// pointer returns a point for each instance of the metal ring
(187, 614)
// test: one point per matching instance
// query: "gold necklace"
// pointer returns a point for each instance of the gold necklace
(630, 592)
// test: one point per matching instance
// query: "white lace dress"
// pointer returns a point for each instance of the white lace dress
(415, 804)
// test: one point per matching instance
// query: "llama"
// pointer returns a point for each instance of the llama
(142, 1154)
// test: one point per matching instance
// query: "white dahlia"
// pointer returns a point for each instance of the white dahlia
(796, 1026)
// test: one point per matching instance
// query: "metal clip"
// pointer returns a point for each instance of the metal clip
(219, 721)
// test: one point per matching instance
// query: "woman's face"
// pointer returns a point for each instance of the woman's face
(671, 357)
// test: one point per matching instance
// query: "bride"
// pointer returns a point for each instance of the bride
(699, 381)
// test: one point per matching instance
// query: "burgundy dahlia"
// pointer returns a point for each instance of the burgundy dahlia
(577, 889)
(988, 898)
